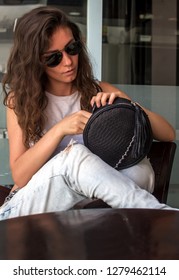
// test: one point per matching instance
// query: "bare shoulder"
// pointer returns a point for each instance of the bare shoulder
(10, 100)
(11, 117)
(10, 114)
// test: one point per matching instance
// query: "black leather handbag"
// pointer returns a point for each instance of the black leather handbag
(120, 133)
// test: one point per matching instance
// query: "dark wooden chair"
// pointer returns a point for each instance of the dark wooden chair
(161, 156)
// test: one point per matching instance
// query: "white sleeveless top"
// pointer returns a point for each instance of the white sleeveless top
(58, 107)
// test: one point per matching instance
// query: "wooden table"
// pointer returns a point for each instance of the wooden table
(92, 234)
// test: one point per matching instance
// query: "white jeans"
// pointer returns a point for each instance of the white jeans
(76, 173)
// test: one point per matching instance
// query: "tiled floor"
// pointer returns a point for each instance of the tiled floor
(173, 196)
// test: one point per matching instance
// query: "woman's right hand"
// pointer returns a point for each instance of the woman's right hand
(74, 123)
(26, 162)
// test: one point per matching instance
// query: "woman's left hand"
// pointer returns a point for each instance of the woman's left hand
(161, 128)
(103, 98)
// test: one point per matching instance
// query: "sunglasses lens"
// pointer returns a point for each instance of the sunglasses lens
(74, 48)
(54, 59)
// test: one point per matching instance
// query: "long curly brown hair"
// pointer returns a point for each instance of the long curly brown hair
(24, 82)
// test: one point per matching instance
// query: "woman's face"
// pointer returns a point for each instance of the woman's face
(65, 72)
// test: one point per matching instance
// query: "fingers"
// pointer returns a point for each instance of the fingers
(85, 114)
(103, 98)
(80, 121)
(75, 123)
(83, 118)
(112, 97)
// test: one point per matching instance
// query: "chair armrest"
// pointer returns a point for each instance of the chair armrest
(161, 156)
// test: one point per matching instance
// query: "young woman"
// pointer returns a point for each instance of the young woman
(50, 90)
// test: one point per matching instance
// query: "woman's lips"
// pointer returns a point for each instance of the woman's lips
(69, 72)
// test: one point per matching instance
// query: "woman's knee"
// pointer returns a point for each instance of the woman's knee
(142, 174)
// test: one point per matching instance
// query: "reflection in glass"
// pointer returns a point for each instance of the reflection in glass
(140, 42)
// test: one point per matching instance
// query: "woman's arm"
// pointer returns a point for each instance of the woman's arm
(24, 163)
(161, 128)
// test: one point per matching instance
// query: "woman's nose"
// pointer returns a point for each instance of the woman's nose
(67, 59)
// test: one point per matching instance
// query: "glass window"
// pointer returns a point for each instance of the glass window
(9, 11)
(12, 9)
(75, 9)
(140, 42)
(141, 56)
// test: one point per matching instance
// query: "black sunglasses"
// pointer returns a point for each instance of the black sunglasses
(53, 59)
